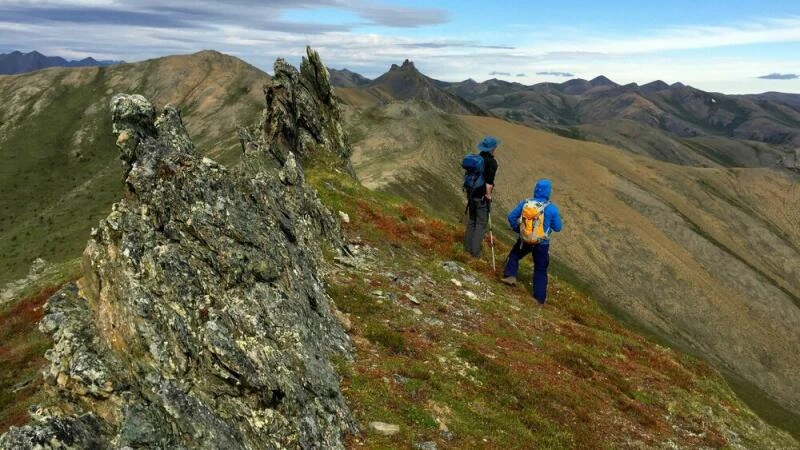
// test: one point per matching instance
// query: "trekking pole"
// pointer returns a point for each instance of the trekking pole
(491, 241)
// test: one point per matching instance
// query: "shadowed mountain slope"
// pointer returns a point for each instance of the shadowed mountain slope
(58, 178)
(18, 62)
(405, 82)
(346, 78)
(792, 100)
(707, 259)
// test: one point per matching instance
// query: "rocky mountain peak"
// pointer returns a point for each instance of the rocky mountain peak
(602, 81)
(407, 65)
(657, 85)
(201, 320)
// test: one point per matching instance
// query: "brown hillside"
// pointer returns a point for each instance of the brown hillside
(741, 131)
(708, 259)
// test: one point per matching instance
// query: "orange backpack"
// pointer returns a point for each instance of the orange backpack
(531, 222)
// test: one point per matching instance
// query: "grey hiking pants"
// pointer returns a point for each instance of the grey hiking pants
(478, 209)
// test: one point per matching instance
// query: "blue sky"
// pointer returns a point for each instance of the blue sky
(720, 46)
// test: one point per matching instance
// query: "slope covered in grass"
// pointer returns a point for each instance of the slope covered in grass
(459, 360)
(455, 359)
(705, 259)
(59, 174)
(22, 345)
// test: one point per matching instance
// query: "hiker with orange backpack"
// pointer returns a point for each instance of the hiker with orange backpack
(534, 219)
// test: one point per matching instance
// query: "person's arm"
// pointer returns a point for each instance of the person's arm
(491, 170)
(513, 216)
(555, 218)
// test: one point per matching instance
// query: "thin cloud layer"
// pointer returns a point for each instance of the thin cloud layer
(556, 74)
(402, 17)
(780, 76)
(181, 14)
(454, 44)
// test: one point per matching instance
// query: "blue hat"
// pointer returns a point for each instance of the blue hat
(488, 144)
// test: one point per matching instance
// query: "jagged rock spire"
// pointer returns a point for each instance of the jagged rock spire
(302, 114)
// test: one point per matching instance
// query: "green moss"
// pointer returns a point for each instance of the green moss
(419, 418)
(392, 340)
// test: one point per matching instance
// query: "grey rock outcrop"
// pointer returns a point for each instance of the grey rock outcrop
(791, 160)
(302, 114)
(202, 319)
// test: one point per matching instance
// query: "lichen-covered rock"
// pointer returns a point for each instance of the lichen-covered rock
(202, 319)
(302, 114)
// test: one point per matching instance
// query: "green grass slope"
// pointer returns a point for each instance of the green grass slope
(457, 359)
(60, 172)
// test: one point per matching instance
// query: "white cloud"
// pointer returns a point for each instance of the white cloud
(254, 31)
(672, 38)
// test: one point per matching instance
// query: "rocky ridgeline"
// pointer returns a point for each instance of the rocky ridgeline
(201, 320)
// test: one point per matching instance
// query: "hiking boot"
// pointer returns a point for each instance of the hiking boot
(511, 281)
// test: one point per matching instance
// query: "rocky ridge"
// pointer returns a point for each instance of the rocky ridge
(202, 320)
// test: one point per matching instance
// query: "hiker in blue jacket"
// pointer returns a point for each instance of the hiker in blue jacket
(541, 250)
(479, 200)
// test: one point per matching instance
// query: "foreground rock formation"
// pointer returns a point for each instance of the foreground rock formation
(202, 319)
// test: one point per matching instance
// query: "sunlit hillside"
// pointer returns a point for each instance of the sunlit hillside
(707, 259)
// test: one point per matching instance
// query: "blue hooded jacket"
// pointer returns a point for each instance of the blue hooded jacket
(541, 193)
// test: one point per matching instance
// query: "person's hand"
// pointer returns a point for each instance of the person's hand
(488, 197)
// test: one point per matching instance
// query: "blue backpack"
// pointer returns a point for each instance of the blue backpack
(473, 172)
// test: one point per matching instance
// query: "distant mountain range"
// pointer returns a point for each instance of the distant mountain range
(674, 123)
(18, 62)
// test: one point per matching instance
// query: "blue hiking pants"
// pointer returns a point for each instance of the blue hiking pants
(541, 259)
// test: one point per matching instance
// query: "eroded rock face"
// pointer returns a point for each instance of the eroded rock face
(202, 319)
(302, 114)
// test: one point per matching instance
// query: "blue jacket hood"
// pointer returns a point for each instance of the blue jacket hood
(543, 189)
